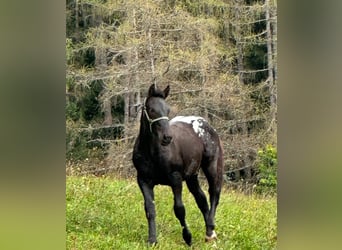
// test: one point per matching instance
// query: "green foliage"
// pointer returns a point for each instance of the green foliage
(254, 60)
(69, 48)
(89, 104)
(83, 101)
(76, 143)
(106, 213)
(79, 144)
(261, 99)
(207, 8)
(84, 58)
(267, 166)
(119, 109)
(72, 111)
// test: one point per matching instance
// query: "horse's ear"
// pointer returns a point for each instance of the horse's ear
(151, 90)
(166, 91)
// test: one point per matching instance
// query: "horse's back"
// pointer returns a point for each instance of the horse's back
(195, 132)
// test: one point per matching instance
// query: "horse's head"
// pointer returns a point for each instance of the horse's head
(156, 112)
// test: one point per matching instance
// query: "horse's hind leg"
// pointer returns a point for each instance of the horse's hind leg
(213, 172)
(201, 200)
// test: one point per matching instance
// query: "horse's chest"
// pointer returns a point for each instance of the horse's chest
(158, 173)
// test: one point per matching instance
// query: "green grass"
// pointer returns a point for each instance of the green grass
(107, 213)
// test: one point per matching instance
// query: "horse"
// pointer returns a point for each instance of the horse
(168, 152)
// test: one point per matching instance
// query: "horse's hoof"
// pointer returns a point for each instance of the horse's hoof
(187, 236)
(152, 243)
(211, 238)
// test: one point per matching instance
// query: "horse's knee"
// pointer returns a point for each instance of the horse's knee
(150, 215)
(150, 212)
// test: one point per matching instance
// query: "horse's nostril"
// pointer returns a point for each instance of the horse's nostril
(167, 139)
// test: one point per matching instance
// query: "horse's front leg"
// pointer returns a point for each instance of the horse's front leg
(147, 191)
(178, 207)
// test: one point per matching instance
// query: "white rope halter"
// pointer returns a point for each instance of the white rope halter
(151, 121)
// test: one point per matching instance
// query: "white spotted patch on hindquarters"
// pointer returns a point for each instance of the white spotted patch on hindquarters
(195, 121)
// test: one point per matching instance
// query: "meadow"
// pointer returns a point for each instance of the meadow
(108, 213)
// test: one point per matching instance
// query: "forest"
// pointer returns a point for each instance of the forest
(218, 56)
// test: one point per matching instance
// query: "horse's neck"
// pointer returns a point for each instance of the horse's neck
(145, 138)
(144, 132)
(146, 141)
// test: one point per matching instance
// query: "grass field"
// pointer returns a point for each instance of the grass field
(108, 213)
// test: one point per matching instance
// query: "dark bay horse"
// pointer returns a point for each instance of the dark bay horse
(168, 152)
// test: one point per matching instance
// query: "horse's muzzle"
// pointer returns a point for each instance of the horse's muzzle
(166, 140)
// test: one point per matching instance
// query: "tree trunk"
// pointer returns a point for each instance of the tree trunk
(274, 43)
(270, 57)
(132, 111)
(84, 15)
(238, 38)
(126, 112)
(136, 95)
(76, 15)
(138, 103)
(270, 51)
(150, 47)
(107, 109)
